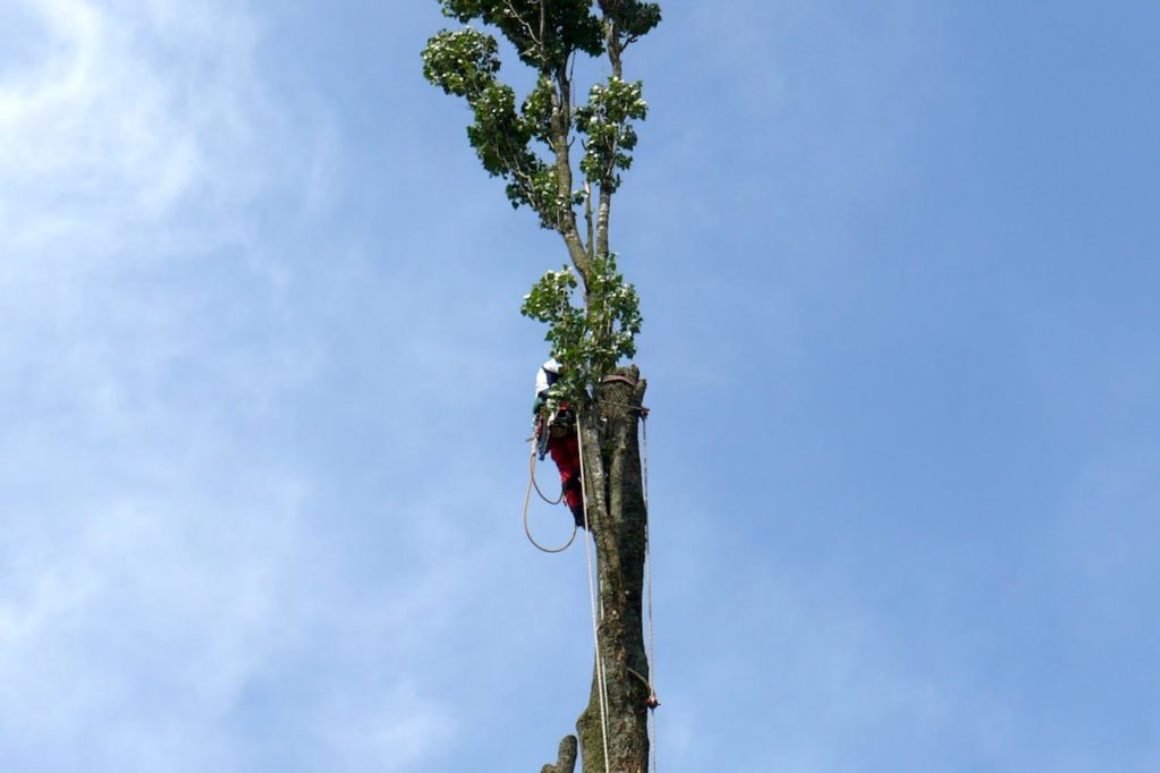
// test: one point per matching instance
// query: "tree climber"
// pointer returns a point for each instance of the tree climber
(555, 428)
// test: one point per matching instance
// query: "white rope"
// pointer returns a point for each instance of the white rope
(648, 567)
(527, 499)
(541, 432)
(593, 583)
(601, 686)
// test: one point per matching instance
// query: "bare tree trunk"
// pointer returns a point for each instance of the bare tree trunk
(616, 511)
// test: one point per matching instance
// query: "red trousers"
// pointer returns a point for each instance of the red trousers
(565, 453)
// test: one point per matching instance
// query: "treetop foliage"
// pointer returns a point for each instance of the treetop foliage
(605, 119)
(545, 34)
(529, 146)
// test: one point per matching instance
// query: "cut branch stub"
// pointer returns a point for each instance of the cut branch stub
(566, 759)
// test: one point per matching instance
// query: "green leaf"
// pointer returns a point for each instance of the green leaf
(587, 341)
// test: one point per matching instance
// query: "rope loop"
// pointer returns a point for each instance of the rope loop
(652, 702)
(527, 498)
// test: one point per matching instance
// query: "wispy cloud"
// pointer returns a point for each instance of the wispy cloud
(160, 562)
(127, 112)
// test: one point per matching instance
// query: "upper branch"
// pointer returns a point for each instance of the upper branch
(561, 142)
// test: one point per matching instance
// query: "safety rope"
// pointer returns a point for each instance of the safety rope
(601, 685)
(593, 579)
(536, 484)
(527, 498)
(652, 696)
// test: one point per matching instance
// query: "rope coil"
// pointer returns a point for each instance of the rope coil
(527, 498)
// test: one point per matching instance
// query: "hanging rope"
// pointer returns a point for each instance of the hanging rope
(601, 685)
(527, 498)
(593, 579)
(653, 702)
(532, 474)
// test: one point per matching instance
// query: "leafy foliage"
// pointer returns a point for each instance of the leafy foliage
(605, 119)
(633, 19)
(586, 341)
(588, 338)
(465, 63)
(545, 34)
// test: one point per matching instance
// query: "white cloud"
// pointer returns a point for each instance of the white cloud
(136, 139)
(159, 562)
(130, 618)
(192, 611)
(126, 112)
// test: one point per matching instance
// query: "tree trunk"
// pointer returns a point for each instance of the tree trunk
(616, 512)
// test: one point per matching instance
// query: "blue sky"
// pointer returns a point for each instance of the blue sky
(264, 394)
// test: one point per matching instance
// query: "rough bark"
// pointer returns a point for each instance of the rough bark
(566, 759)
(561, 129)
(616, 511)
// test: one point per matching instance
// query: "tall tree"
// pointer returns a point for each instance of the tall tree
(592, 313)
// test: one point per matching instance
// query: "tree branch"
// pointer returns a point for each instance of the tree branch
(588, 218)
(566, 760)
(527, 25)
(561, 127)
(614, 48)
